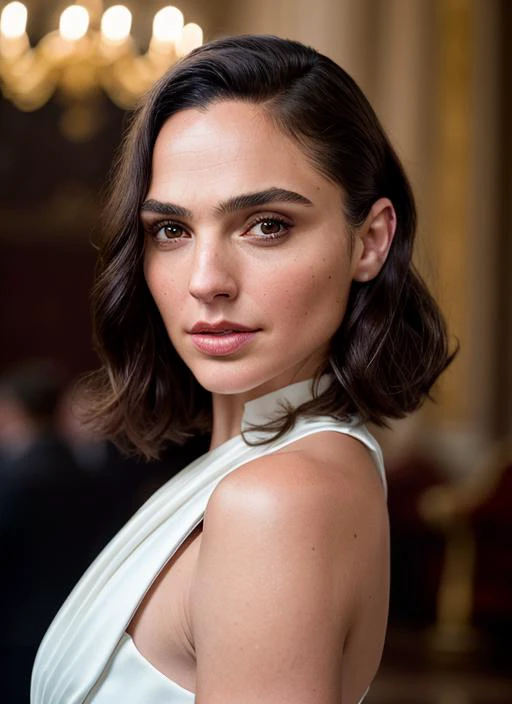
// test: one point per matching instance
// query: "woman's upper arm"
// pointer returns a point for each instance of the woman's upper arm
(276, 585)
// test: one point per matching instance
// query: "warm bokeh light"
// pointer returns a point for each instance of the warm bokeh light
(116, 23)
(13, 20)
(88, 53)
(191, 37)
(74, 23)
(168, 24)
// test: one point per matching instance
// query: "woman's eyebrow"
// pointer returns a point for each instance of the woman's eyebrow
(155, 206)
(231, 205)
(269, 195)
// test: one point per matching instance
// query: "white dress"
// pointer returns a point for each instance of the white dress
(86, 657)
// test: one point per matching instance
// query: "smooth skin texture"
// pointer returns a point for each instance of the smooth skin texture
(281, 596)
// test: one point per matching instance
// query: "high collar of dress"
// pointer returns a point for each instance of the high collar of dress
(271, 406)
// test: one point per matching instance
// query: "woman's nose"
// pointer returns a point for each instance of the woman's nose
(212, 274)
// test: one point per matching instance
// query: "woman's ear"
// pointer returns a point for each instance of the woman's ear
(373, 240)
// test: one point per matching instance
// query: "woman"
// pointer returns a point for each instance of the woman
(256, 283)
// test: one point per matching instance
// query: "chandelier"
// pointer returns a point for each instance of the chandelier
(91, 52)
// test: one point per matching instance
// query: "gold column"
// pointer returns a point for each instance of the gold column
(450, 236)
(341, 29)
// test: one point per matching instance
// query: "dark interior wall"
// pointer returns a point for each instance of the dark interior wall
(45, 308)
(50, 201)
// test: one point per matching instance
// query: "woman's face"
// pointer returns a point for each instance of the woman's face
(247, 251)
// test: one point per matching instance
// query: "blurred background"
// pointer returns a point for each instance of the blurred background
(439, 74)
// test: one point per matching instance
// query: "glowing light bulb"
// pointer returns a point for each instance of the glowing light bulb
(167, 24)
(74, 23)
(116, 23)
(13, 20)
(191, 37)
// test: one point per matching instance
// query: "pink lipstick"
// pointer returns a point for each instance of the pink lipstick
(222, 338)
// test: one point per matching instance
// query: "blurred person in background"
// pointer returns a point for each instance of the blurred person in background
(122, 481)
(45, 518)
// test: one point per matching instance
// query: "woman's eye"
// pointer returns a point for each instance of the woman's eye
(269, 228)
(168, 231)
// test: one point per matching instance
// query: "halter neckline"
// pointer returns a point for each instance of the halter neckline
(270, 406)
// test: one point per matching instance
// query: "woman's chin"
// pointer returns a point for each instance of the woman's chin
(227, 385)
(249, 383)
(230, 379)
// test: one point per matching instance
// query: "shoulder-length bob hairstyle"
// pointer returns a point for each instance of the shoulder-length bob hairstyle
(392, 344)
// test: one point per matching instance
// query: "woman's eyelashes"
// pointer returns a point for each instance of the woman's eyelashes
(264, 229)
(166, 231)
(268, 228)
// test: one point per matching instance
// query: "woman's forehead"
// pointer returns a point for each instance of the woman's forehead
(231, 147)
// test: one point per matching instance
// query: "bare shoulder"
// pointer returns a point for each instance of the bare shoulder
(327, 476)
(292, 562)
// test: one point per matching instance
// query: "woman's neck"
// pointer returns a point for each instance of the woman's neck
(227, 418)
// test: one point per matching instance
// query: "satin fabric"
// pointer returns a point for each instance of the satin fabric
(86, 647)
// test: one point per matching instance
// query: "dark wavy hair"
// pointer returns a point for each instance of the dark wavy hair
(392, 344)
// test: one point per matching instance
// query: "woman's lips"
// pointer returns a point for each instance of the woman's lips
(223, 342)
